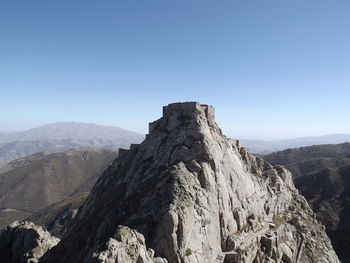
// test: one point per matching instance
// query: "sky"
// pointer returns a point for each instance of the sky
(272, 69)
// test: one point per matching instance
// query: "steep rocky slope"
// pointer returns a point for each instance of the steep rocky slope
(322, 174)
(188, 194)
(59, 137)
(32, 183)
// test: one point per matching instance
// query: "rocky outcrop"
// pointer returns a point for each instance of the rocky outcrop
(127, 246)
(197, 197)
(24, 243)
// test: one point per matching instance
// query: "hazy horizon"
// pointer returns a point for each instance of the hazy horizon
(271, 69)
(145, 132)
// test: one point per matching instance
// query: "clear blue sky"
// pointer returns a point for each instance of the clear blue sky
(271, 68)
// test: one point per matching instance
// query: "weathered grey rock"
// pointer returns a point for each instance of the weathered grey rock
(197, 197)
(24, 243)
(127, 246)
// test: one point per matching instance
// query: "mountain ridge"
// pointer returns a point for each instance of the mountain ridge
(59, 137)
(189, 194)
(65, 130)
(269, 146)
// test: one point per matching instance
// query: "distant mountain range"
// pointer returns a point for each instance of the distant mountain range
(61, 136)
(269, 146)
(322, 174)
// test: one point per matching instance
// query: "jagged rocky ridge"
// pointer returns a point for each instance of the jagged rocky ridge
(195, 196)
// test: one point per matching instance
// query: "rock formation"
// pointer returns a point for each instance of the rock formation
(24, 243)
(127, 246)
(196, 197)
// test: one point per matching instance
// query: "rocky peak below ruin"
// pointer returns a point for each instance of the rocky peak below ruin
(180, 115)
(195, 196)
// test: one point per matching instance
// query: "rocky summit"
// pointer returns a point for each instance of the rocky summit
(188, 194)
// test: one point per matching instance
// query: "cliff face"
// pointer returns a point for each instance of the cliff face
(196, 197)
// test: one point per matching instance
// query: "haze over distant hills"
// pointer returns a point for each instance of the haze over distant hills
(269, 146)
(61, 136)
